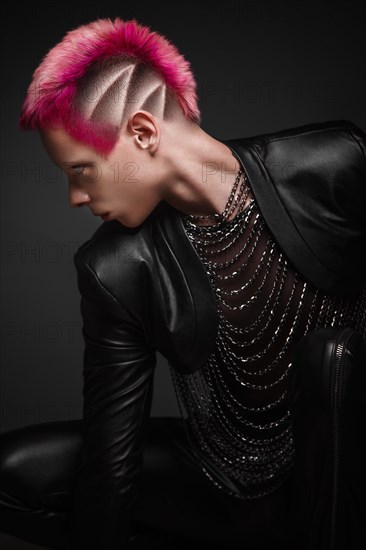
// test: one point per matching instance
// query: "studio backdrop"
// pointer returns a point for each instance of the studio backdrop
(261, 66)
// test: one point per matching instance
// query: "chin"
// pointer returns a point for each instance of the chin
(129, 223)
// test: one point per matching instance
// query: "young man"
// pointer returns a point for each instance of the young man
(242, 262)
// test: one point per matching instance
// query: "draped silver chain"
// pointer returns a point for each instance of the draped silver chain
(235, 409)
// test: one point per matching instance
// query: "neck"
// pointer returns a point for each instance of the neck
(202, 172)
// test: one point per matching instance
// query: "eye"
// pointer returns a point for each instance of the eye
(78, 168)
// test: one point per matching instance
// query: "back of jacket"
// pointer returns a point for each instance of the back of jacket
(145, 289)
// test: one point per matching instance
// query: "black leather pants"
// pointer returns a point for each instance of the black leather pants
(321, 506)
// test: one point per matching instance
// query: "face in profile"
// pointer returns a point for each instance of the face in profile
(89, 86)
(122, 186)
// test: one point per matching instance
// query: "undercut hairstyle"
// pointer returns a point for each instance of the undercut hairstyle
(101, 72)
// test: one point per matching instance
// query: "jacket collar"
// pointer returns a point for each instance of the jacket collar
(205, 318)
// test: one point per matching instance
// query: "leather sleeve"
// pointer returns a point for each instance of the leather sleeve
(358, 135)
(117, 391)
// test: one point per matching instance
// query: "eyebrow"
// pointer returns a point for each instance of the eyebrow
(75, 162)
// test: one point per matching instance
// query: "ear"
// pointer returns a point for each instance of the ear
(145, 130)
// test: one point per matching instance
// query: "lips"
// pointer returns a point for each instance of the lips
(104, 215)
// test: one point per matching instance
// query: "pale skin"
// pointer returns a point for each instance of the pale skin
(153, 160)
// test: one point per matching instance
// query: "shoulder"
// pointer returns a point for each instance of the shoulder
(327, 137)
(325, 155)
(114, 243)
(116, 259)
(310, 185)
(324, 160)
(332, 145)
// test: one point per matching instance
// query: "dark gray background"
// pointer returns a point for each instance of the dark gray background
(260, 66)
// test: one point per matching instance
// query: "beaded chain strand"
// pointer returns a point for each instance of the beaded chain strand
(235, 407)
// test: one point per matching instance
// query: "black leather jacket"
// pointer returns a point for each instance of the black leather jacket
(145, 289)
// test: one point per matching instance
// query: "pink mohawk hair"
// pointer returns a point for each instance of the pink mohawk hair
(49, 98)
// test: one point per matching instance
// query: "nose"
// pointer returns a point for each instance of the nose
(77, 197)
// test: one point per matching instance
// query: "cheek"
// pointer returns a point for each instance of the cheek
(119, 177)
(100, 178)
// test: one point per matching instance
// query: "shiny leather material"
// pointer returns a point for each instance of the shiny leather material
(310, 186)
(328, 405)
(145, 289)
(154, 276)
(321, 507)
(176, 506)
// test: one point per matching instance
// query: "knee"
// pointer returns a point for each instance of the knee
(36, 459)
(323, 358)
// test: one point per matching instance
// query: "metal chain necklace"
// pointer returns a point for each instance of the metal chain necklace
(235, 407)
(232, 202)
